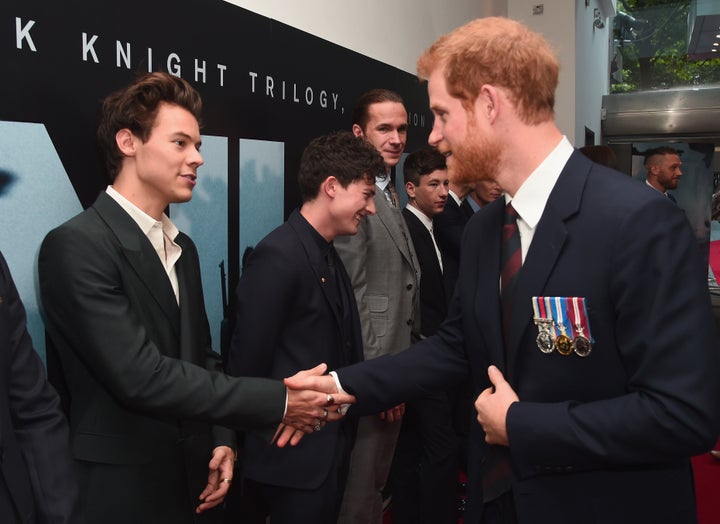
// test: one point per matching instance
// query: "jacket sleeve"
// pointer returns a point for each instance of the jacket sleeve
(89, 314)
(39, 426)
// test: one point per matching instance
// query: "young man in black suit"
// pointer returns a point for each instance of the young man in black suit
(296, 309)
(587, 326)
(425, 466)
(124, 307)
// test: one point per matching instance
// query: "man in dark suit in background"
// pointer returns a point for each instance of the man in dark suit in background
(296, 309)
(662, 169)
(590, 338)
(449, 227)
(425, 467)
(124, 307)
(37, 474)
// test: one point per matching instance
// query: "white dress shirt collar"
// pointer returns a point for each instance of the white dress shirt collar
(532, 196)
(161, 234)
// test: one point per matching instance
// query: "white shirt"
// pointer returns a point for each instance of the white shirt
(382, 184)
(161, 234)
(456, 198)
(532, 196)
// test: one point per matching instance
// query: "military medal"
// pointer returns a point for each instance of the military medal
(544, 340)
(563, 343)
(581, 344)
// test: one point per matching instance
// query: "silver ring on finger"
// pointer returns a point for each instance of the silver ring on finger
(325, 414)
(317, 427)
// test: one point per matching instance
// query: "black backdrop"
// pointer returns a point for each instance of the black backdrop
(59, 59)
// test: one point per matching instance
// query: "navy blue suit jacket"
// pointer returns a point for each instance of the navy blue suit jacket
(287, 321)
(604, 438)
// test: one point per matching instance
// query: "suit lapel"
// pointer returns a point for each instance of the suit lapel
(190, 305)
(393, 221)
(318, 264)
(487, 299)
(140, 255)
(546, 248)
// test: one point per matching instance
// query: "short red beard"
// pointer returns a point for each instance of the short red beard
(476, 159)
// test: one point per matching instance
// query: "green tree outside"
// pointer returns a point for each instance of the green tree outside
(650, 44)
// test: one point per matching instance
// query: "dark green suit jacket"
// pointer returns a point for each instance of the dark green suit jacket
(143, 383)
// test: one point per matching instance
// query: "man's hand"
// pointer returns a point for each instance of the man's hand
(393, 414)
(313, 401)
(492, 406)
(219, 479)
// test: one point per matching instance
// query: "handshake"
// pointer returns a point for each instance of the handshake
(313, 400)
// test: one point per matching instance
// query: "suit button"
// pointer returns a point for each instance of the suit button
(409, 286)
(410, 322)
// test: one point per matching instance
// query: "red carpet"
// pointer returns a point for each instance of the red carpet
(706, 470)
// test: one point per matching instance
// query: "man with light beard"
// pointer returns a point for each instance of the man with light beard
(596, 371)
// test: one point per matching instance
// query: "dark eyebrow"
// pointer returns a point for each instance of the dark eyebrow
(188, 138)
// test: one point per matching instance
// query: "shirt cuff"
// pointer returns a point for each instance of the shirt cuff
(343, 407)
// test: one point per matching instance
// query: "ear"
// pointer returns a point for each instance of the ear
(357, 130)
(125, 141)
(410, 189)
(488, 102)
(330, 186)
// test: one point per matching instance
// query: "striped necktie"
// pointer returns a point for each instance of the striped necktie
(511, 262)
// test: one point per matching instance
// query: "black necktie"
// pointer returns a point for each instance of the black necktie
(332, 272)
(466, 209)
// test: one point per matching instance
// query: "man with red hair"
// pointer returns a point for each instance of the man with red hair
(582, 314)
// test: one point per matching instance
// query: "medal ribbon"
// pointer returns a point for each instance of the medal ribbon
(583, 318)
(549, 314)
(561, 317)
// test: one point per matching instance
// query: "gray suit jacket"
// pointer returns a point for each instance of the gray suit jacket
(385, 275)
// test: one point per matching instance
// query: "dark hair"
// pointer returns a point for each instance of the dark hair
(602, 155)
(422, 162)
(663, 150)
(135, 107)
(360, 114)
(342, 155)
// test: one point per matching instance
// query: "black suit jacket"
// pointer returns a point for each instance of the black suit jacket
(433, 294)
(449, 226)
(604, 438)
(140, 371)
(37, 476)
(287, 321)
